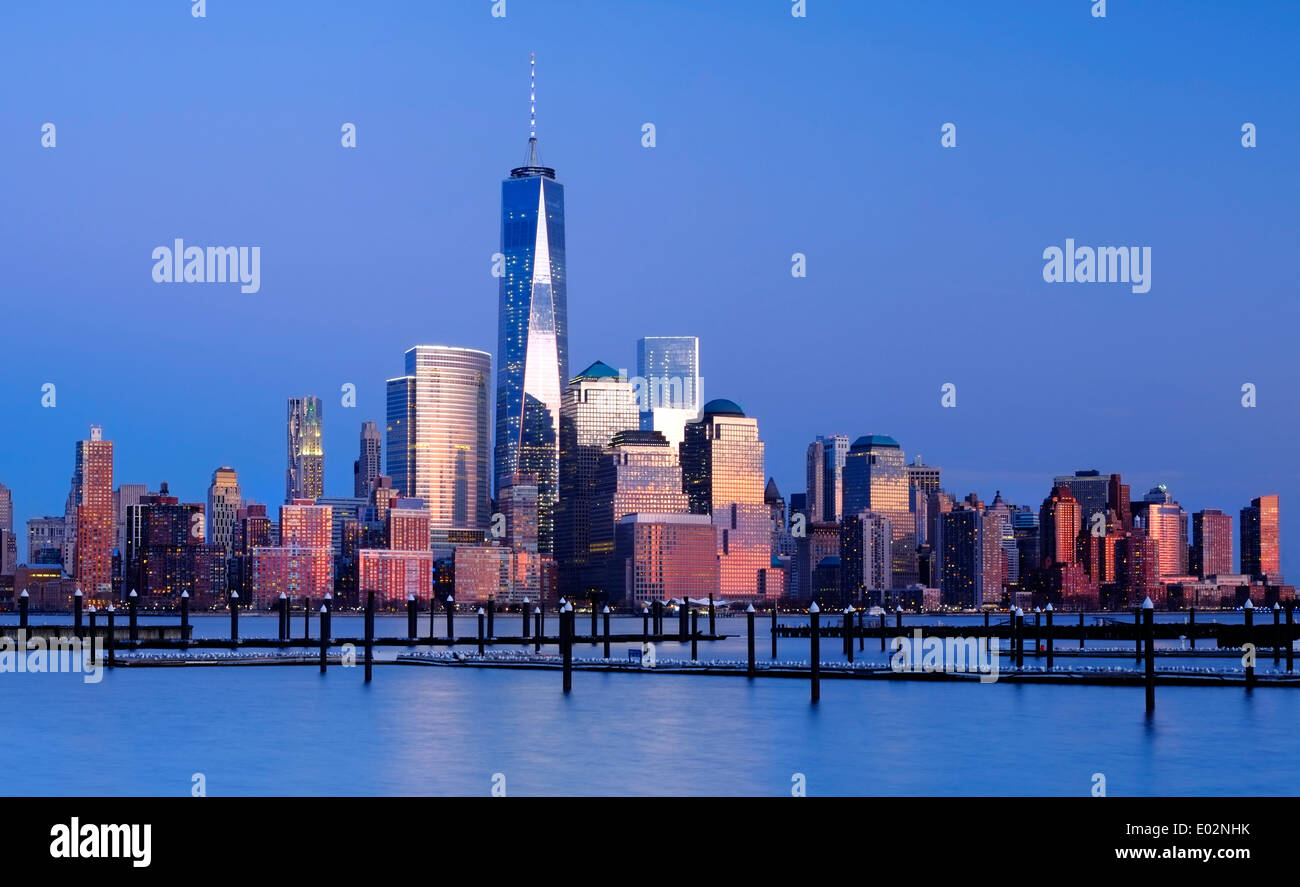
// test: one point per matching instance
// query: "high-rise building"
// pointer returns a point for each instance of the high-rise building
(1165, 522)
(45, 540)
(301, 563)
(305, 476)
(815, 484)
(437, 436)
(223, 508)
(866, 558)
(664, 556)
(598, 404)
(367, 467)
(1059, 520)
(532, 331)
(668, 384)
(517, 501)
(1261, 553)
(722, 475)
(960, 545)
(124, 496)
(835, 449)
(168, 554)
(92, 496)
(408, 526)
(875, 479)
(1211, 553)
(1091, 489)
(6, 509)
(923, 477)
(638, 472)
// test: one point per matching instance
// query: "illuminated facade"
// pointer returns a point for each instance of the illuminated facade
(875, 479)
(598, 404)
(1059, 521)
(437, 435)
(669, 384)
(638, 472)
(92, 500)
(302, 563)
(664, 556)
(305, 475)
(1165, 522)
(723, 476)
(1261, 553)
(866, 557)
(1211, 552)
(393, 575)
(532, 333)
(223, 508)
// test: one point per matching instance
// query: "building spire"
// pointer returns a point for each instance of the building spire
(532, 109)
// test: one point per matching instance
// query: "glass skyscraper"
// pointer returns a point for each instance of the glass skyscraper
(437, 434)
(668, 384)
(532, 333)
(875, 479)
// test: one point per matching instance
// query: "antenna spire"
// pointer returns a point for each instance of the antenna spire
(532, 96)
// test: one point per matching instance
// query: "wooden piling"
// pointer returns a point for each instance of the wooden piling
(480, 631)
(370, 633)
(605, 613)
(185, 617)
(1149, 630)
(566, 646)
(76, 613)
(1248, 610)
(23, 600)
(749, 621)
(1051, 649)
(233, 603)
(814, 661)
(324, 640)
(848, 633)
(410, 616)
(451, 619)
(526, 616)
(713, 627)
(695, 634)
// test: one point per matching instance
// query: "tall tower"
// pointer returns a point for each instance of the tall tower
(668, 371)
(438, 434)
(532, 329)
(92, 501)
(722, 475)
(875, 479)
(304, 477)
(224, 501)
(366, 468)
(598, 404)
(1260, 549)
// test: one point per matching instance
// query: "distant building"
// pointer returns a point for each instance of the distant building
(224, 502)
(664, 556)
(1059, 521)
(668, 392)
(395, 575)
(1165, 522)
(437, 435)
(301, 564)
(1261, 553)
(517, 502)
(366, 469)
(876, 480)
(723, 475)
(304, 478)
(92, 499)
(1211, 553)
(597, 404)
(168, 554)
(45, 540)
(866, 558)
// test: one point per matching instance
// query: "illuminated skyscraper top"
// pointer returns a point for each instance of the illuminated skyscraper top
(532, 331)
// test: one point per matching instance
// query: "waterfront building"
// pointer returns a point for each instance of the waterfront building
(92, 500)
(1261, 553)
(875, 479)
(668, 384)
(1211, 552)
(305, 474)
(598, 403)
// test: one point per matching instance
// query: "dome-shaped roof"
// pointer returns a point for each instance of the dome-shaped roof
(867, 441)
(723, 407)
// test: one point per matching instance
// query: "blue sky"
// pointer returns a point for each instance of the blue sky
(775, 135)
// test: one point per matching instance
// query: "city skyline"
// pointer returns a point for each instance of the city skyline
(1151, 439)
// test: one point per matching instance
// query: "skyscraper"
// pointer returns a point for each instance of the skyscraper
(722, 475)
(1211, 553)
(875, 479)
(223, 508)
(305, 476)
(1059, 520)
(1165, 522)
(638, 472)
(598, 404)
(437, 436)
(668, 379)
(835, 449)
(532, 331)
(367, 466)
(1260, 534)
(815, 483)
(92, 497)
(1091, 489)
